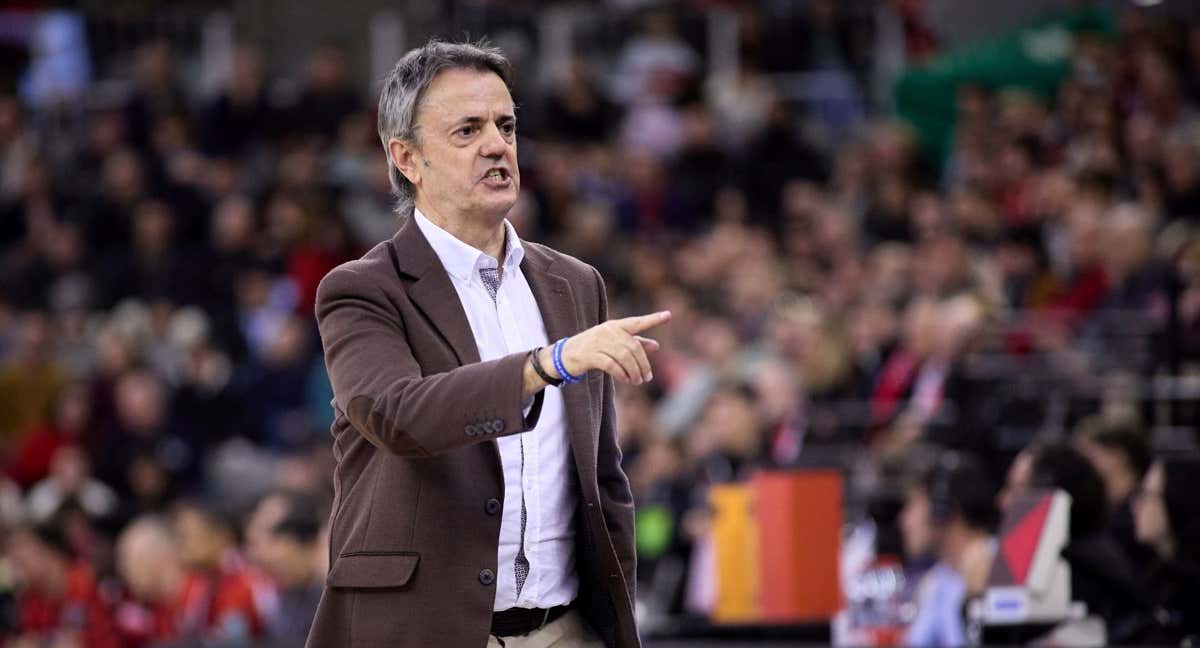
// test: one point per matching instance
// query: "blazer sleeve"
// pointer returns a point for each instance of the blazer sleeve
(378, 385)
(616, 499)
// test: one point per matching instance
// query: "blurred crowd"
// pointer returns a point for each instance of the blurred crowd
(1025, 313)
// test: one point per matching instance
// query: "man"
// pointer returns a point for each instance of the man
(289, 546)
(208, 545)
(173, 602)
(1101, 574)
(473, 506)
(951, 510)
(58, 599)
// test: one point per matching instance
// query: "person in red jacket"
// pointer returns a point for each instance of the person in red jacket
(37, 444)
(208, 542)
(58, 601)
(173, 602)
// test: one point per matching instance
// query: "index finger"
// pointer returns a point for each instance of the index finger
(640, 323)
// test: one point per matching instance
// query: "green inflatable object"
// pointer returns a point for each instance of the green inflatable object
(1034, 58)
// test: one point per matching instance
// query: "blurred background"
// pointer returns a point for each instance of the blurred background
(927, 255)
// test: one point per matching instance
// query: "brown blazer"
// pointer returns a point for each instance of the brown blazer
(415, 522)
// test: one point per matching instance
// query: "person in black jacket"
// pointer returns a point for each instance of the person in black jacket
(1120, 452)
(1167, 515)
(1101, 575)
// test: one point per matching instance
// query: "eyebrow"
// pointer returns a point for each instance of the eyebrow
(477, 121)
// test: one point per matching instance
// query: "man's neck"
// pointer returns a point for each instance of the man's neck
(966, 550)
(957, 544)
(482, 233)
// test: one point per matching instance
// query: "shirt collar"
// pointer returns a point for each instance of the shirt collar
(463, 260)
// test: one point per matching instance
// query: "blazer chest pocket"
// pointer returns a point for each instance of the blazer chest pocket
(373, 570)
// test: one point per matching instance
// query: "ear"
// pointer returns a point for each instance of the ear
(404, 156)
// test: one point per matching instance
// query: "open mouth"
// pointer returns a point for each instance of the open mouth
(496, 176)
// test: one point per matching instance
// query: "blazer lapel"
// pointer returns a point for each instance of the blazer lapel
(556, 301)
(432, 292)
(434, 295)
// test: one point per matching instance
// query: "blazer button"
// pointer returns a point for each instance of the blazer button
(470, 430)
(487, 577)
(614, 575)
(590, 506)
(492, 506)
(498, 426)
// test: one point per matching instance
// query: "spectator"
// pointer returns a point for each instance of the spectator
(654, 69)
(276, 387)
(58, 599)
(292, 548)
(17, 151)
(156, 93)
(327, 97)
(1182, 174)
(656, 63)
(727, 442)
(70, 481)
(209, 545)
(29, 378)
(239, 117)
(577, 110)
(143, 457)
(1167, 514)
(170, 601)
(151, 272)
(700, 168)
(69, 424)
(778, 155)
(952, 508)
(1120, 453)
(1101, 575)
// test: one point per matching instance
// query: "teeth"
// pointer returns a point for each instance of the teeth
(495, 174)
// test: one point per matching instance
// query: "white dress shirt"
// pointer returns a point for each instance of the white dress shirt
(509, 324)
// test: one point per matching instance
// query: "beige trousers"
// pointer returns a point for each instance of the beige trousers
(567, 631)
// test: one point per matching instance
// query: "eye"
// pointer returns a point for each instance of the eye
(508, 128)
(466, 131)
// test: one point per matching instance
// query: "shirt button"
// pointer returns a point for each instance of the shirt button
(492, 506)
(487, 577)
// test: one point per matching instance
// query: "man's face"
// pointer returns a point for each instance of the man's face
(288, 561)
(200, 541)
(266, 515)
(916, 524)
(466, 164)
(141, 560)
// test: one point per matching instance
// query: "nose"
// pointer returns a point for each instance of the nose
(492, 144)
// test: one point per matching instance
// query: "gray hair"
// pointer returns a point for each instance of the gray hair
(406, 83)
